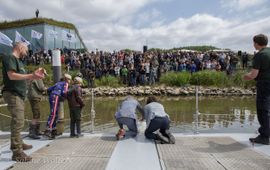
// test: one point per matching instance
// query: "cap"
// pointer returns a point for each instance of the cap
(78, 79)
(67, 76)
(79, 74)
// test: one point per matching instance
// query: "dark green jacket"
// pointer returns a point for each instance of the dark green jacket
(35, 89)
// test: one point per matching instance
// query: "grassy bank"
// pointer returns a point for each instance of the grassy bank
(206, 78)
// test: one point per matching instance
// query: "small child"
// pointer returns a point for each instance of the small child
(75, 104)
(56, 93)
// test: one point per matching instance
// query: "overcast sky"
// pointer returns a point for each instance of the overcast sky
(119, 24)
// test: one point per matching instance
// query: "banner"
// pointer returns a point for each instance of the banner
(5, 40)
(68, 36)
(53, 34)
(35, 34)
(20, 38)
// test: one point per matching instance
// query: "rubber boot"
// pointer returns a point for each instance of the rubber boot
(32, 132)
(38, 132)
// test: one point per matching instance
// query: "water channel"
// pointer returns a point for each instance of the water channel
(218, 114)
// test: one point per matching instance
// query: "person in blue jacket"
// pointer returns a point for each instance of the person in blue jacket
(57, 93)
(126, 115)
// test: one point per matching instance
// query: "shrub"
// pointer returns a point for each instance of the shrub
(237, 80)
(209, 78)
(175, 78)
(108, 81)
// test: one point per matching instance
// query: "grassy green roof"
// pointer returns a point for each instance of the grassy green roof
(35, 21)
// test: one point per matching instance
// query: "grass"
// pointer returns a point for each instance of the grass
(206, 78)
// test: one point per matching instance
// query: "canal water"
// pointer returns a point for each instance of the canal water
(217, 114)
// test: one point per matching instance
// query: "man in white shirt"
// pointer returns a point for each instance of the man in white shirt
(157, 119)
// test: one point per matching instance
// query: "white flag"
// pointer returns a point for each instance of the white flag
(5, 40)
(35, 34)
(20, 38)
(53, 34)
(68, 36)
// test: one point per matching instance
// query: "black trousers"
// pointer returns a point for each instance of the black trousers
(161, 123)
(75, 120)
(263, 107)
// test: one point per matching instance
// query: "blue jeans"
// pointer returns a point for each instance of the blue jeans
(130, 123)
(161, 123)
(263, 107)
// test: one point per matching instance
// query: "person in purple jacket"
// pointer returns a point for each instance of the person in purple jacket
(56, 93)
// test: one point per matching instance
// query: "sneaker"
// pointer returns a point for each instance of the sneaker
(21, 157)
(72, 136)
(26, 147)
(162, 138)
(79, 135)
(169, 135)
(120, 134)
(260, 140)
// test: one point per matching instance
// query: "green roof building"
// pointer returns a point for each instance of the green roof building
(43, 34)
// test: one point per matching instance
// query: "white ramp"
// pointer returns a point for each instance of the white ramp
(134, 154)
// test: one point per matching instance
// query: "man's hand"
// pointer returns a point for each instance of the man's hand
(39, 73)
(251, 75)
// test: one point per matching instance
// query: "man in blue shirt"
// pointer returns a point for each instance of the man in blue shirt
(126, 115)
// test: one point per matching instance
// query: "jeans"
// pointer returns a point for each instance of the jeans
(130, 123)
(263, 107)
(161, 123)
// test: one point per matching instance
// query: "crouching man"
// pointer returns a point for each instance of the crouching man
(126, 115)
(157, 119)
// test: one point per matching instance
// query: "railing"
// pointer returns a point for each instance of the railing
(93, 113)
(2, 105)
(197, 113)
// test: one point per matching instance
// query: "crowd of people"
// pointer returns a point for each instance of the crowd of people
(131, 67)
(137, 68)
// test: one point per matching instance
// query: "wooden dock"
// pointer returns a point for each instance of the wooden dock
(103, 151)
